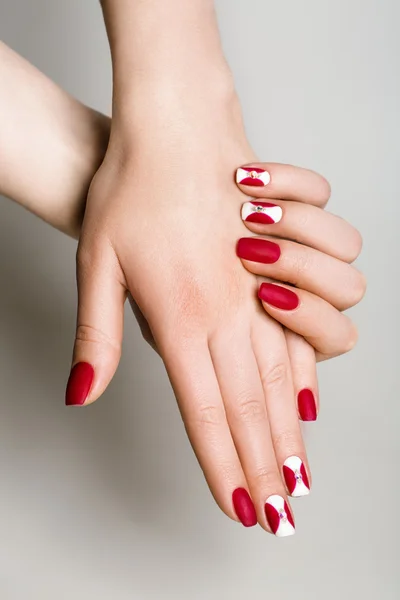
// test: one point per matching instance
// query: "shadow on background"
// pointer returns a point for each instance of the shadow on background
(131, 443)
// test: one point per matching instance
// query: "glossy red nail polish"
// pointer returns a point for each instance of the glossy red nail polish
(307, 405)
(79, 384)
(278, 296)
(244, 507)
(258, 250)
(252, 176)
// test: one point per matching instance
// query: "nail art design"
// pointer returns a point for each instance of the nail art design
(244, 507)
(258, 250)
(307, 405)
(79, 384)
(296, 477)
(278, 296)
(253, 176)
(279, 516)
(261, 212)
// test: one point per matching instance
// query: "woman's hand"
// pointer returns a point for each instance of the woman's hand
(75, 162)
(161, 223)
(314, 255)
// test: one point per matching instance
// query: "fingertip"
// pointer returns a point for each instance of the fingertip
(79, 384)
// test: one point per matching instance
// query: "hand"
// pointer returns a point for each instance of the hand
(315, 257)
(162, 222)
(327, 272)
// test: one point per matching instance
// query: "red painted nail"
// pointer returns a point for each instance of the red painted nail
(278, 296)
(244, 507)
(307, 405)
(253, 176)
(261, 212)
(258, 250)
(79, 384)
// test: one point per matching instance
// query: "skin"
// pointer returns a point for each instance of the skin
(228, 363)
(201, 319)
(54, 144)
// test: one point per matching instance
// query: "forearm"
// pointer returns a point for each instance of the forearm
(167, 57)
(51, 144)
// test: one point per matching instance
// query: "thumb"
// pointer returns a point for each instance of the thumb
(98, 341)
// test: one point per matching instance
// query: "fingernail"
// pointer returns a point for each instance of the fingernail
(279, 516)
(261, 212)
(296, 477)
(79, 384)
(307, 405)
(244, 507)
(278, 296)
(253, 176)
(258, 250)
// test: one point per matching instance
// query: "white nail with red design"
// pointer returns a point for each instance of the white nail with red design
(296, 477)
(265, 213)
(279, 516)
(253, 176)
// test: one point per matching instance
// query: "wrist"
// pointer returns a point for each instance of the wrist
(166, 48)
(172, 102)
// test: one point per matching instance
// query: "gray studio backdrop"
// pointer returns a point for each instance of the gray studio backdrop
(109, 502)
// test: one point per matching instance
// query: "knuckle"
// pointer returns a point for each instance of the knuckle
(286, 442)
(359, 288)
(324, 191)
(355, 245)
(276, 376)
(88, 334)
(250, 410)
(209, 414)
(267, 477)
(301, 263)
(351, 339)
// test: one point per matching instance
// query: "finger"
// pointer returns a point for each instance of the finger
(337, 282)
(97, 350)
(273, 180)
(324, 327)
(275, 370)
(305, 224)
(304, 373)
(243, 396)
(196, 388)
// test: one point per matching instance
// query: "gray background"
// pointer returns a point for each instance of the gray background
(109, 502)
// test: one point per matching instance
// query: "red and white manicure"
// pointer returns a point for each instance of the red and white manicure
(296, 477)
(253, 176)
(279, 516)
(261, 212)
